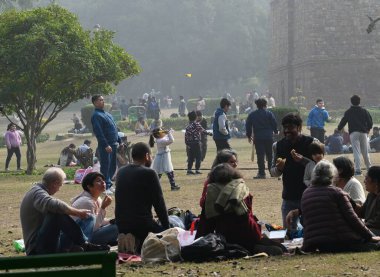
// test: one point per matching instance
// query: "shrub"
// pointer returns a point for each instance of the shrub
(211, 105)
(86, 113)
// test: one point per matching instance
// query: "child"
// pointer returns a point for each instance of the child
(317, 151)
(193, 143)
(203, 122)
(162, 161)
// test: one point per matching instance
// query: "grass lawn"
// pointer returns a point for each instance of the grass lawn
(266, 205)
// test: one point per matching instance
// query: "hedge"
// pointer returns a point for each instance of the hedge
(86, 113)
(41, 138)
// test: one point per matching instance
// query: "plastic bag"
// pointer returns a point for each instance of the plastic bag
(161, 247)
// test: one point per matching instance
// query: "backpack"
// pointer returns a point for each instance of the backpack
(161, 247)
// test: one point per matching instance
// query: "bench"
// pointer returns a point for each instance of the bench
(68, 264)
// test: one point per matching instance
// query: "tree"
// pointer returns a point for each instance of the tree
(48, 61)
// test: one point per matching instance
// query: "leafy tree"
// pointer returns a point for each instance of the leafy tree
(12, 4)
(48, 61)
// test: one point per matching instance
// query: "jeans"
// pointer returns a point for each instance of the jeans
(286, 207)
(194, 153)
(221, 144)
(359, 142)
(48, 236)
(263, 149)
(106, 234)
(108, 163)
(318, 133)
(15, 150)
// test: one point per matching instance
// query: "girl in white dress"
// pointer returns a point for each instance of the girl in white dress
(162, 162)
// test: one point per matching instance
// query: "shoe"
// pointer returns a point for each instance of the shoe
(112, 189)
(108, 192)
(198, 172)
(20, 169)
(358, 173)
(89, 247)
(7, 170)
(189, 172)
(176, 187)
(259, 176)
(126, 243)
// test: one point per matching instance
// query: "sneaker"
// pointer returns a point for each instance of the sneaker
(259, 176)
(176, 187)
(89, 247)
(189, 172)
(358, 173)
(112, 189)
(127, 243)
(20, 169)
(108, 192)
(7, 170)
(198, 172)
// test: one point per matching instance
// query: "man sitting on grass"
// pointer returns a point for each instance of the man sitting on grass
(44, 217)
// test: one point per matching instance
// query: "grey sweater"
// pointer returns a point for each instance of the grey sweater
(33, 209)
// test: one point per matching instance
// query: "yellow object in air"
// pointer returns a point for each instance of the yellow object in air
(188, 75)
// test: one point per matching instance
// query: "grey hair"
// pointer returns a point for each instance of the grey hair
(53, 174)
(323, 173)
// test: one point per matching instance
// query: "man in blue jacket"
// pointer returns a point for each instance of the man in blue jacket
(316, 120)
(105, 130)
(260, 127)
(221, 131)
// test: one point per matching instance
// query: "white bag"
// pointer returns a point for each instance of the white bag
(161, 247)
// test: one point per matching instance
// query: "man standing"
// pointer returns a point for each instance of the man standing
(137, 190)
(106, 133)
(289, 164)
(260, 127)
(221, 132)
(44, 217)
(359, 124)
(182, 106)
(316, 120)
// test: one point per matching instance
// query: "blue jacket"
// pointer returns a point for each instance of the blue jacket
(215, 126)
(317, 117)
(263, 123)
(104, 128)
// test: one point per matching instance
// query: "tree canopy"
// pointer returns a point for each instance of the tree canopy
(47, 61)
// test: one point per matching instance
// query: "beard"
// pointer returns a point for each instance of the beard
(148, 163)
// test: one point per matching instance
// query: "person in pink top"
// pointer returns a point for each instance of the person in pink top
(13, 142)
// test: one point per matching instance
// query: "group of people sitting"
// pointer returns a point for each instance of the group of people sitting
(331, 207)
(339, 142)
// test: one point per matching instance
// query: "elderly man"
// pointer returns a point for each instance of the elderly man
(44, 217)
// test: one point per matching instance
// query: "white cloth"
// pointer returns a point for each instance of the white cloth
(162, 162)
(355, 189)
(86, 201)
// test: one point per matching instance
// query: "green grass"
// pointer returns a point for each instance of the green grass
(266, 205)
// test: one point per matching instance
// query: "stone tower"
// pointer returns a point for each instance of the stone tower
(321, 47)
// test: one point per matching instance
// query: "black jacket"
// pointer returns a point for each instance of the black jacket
(358, 118)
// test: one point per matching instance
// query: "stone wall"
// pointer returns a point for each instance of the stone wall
(322, 48)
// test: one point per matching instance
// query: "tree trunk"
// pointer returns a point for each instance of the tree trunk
(30, 151)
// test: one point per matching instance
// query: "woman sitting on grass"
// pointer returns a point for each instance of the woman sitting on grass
(346, 180)
(227, 210)
(370, 210)
(330, 222)
(95, 227)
